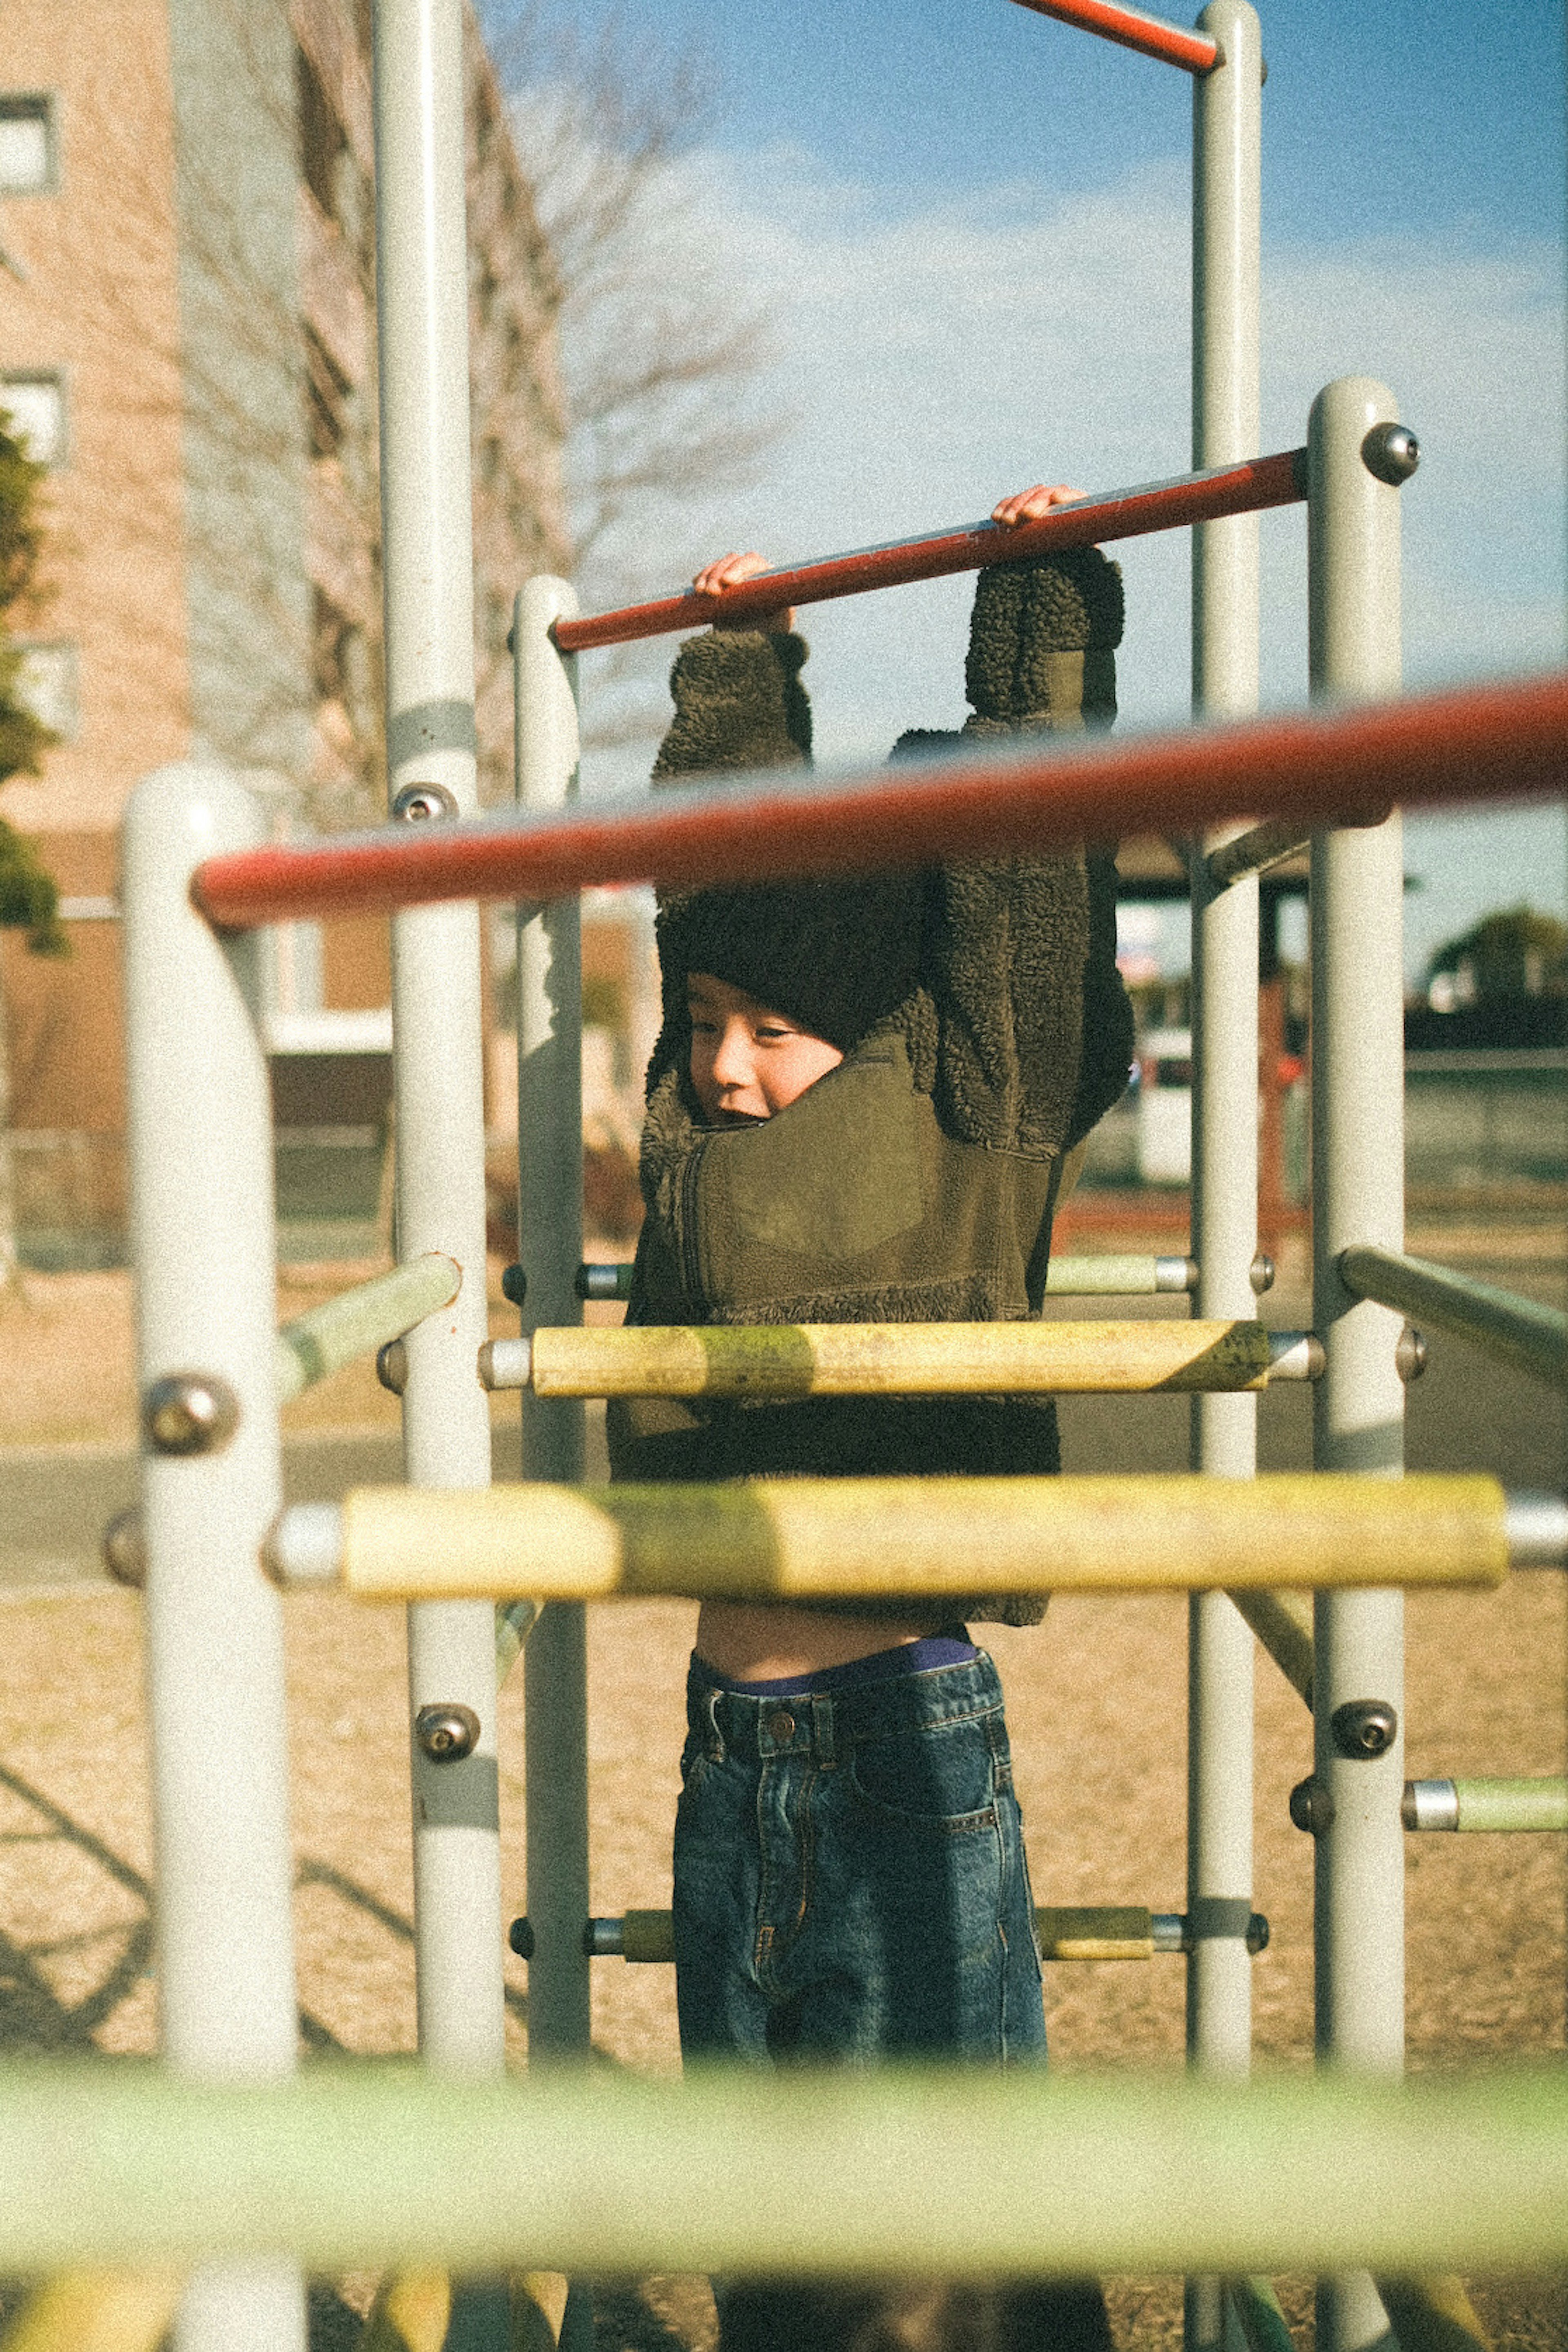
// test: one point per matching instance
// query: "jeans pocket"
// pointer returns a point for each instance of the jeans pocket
(940, 1777)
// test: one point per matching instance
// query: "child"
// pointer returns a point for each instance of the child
(859, 1108)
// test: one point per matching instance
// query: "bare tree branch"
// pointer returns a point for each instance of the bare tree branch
(665, 358)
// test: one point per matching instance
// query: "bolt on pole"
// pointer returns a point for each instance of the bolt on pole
(1227, 147)
(423, 322)
(550, 1247)
(202, 1240)
(1357, 1197)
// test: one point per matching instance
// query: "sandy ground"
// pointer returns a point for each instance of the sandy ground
(1096, 1702)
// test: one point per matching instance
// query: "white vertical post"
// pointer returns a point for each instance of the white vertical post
(1358, 1195)
(550, 1247)
(202, 1240)
(1226, 141)
(438, 1080)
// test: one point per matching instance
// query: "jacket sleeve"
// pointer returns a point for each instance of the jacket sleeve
(739, 703)
(1035, 1031)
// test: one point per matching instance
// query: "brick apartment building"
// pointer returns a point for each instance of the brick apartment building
(188, 339)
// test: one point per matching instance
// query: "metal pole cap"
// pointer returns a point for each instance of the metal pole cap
(1391, 454)
(446, 1731)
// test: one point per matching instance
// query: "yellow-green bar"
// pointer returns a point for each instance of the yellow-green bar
(359, 1321)
(961, 2173)
(1088, 1931)
(1109, 1275)
(84, 2310)
(1283, 1623)
(1519, 1331)
(899, 1359)
(947, 1539)
(1512, 1804)
(1104, 1275)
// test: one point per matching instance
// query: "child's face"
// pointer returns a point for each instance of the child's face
(748, 1061)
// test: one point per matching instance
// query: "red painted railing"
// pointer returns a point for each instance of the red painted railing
(1194, 52)
(1247, 488)
(1489, 743)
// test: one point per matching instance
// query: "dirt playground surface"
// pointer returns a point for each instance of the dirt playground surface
(1096, 1707)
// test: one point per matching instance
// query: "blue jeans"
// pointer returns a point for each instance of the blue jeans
(850, 1881)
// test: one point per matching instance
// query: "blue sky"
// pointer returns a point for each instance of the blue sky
(971, 223)
(1442, 111)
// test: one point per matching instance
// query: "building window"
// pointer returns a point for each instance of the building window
(28, 157)
(47, 684)
(35, 406)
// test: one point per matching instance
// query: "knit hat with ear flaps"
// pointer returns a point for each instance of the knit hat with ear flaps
(836, 956)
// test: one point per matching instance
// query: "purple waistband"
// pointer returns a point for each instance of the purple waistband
(950, 1647)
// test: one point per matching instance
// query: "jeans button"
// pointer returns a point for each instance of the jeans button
(781, 1725)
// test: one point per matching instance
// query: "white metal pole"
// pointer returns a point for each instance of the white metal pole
(428, 538)
(1358, 1195)
(203, 1241)
(550, 1247)
(1226, 145)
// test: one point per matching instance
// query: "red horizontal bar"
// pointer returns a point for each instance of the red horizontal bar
(1194, 52)
(1489, 742)
(1247, 488)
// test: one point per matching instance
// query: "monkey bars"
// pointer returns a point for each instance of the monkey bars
(958, 2173)
(801, 1359)
(1217, 490)
(357, 1322)
(1107, 1275)
(948, 1538)
(1489, 743)
(1519, 1331)
(1131, 29)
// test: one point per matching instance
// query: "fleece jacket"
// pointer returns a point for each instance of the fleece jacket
(985, 1029)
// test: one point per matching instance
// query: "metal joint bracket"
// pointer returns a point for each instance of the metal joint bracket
(1536, 1526)
(506, 1364)
(1295, 1356)
(514, 1284)
(1215, 1919)
(598, 1282)
(189, 1412)
(1410, 1354)
(392, 1366)
(304, 1545)
(1430, 1805)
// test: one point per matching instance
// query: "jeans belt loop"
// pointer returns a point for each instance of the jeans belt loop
(822, 1727)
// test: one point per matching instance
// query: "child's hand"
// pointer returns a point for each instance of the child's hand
(1029, 506)
(730, 572)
